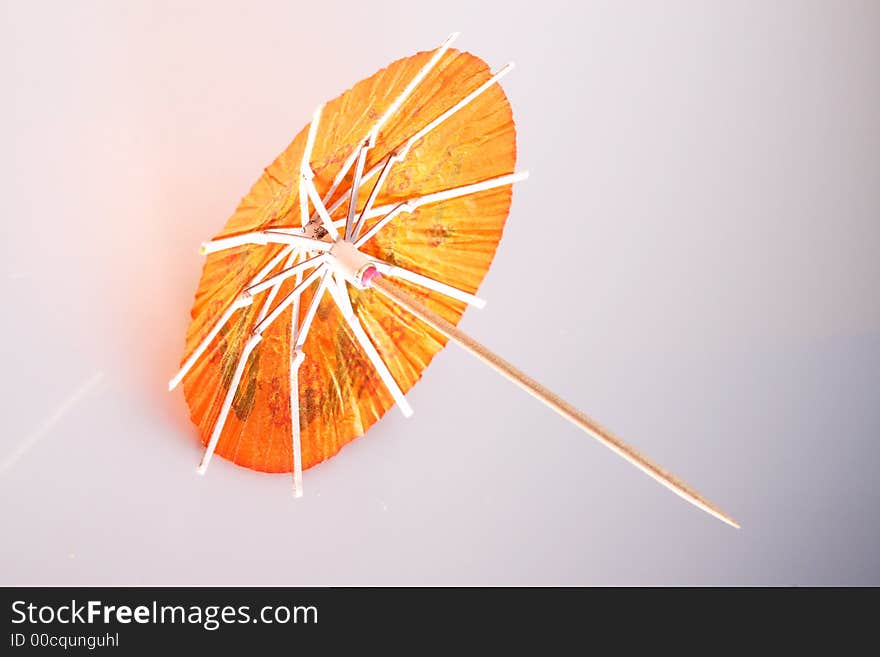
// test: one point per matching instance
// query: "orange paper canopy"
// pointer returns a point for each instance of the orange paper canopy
(454, 241)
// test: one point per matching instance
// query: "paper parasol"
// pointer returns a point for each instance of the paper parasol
(348, 265)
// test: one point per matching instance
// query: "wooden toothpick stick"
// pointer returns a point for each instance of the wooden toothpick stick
(549, 398)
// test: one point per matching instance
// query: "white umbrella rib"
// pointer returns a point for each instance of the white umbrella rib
(340, 296)
(264, 237)
(240, 301)
(394, 271)
(453, 192)
(296, 359)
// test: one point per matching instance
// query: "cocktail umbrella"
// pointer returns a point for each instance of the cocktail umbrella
(349, 264)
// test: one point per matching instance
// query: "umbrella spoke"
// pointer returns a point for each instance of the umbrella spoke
(453, 192)
(346, 167)
(411, 204)
(306, 164)
(290, 270)
(411, 87)
(264, 323)
(311, 311)
(379, 225)
(296, 360)
(386, 168)
(307, 179)
(275, 285)
(507, 68)
(240, 302)
(355, 186)
(264, 237)
(387, 269)
(298, 335)
(310, 139)
(340, 296)
(249, 346)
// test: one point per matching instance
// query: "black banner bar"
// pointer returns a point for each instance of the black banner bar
(148, 620)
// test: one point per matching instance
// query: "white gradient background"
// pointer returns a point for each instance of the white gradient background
(708, 174)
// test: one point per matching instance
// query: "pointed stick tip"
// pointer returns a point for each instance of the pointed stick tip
(715, 512)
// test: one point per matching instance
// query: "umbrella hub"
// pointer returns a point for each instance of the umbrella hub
(351, 264)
